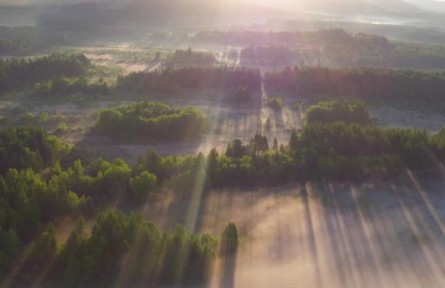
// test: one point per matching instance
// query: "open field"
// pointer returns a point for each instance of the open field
(324, 235)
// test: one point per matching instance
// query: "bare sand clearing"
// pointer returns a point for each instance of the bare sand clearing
(225, 123)
(393, 117)
(322, 235)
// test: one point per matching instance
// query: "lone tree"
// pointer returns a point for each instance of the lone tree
(229, 241)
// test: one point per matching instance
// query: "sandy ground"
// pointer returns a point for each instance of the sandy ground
(393, 117)
(320, 235)
(225, 123)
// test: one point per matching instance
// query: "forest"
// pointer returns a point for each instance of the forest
(190, 57)
(18, 74)
(338, 143)
(222, 143)
(337, 45)
(267, 55)
(33, 197)
(418, 88)
(43, 180)
(192, 79)
(151, 122)
(62, 86)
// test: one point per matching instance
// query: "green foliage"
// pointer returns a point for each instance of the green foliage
(229, 241)
(17, 74)
(268, 124)
(17, 41)
(9, 249)
(267, 55)
(151, 122)
(45, 245)
(407, 86)
(142, 184)
(176, 80)
(339, 110)
(61, 86)
(190, 57)
(335, 45)
(62, 128)
(23, 148)
(275, 102)
(153, 257)
(43, 117)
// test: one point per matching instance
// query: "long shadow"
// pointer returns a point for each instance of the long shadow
(421, 265)
(335, 228)
(227, 274)
(311, 232)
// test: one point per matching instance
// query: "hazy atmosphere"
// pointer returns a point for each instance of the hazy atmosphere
(222, 143)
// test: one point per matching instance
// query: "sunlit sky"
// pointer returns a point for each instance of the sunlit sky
(426, 4)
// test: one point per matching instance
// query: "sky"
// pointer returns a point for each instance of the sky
(426, 4)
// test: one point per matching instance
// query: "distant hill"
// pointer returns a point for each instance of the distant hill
(354, 6)
(436, 6)
(200, 13)
(183, 13)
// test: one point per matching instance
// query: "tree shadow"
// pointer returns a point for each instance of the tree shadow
(227, 274)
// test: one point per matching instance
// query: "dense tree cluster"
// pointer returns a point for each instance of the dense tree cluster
(331, 148)
(229, 241)
(7, 47)
(191, 57)
(19, 40)
(151, 122)
(177, 80)
(363, 83)
(152, 257)
(242, 38)
(15, 74)
(27, 203)
(267, 55)
(30, 147)
(335, 45)
(63, 86)
(338, 110)
(336, 151)
(30, 200)
(275, 102)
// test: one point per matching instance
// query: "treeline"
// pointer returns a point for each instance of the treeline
(63, 86)
(7, 47)
(335, 45)
(267, 55)
(330, 147)
(338, 110)
(152, 257)
(15, 74)
(23, 148)
(16, 41)
(191, 57)
(31, 201)
(425, 88)
(247, 38)
(151, 122)
(33, 198)
(177, 80)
